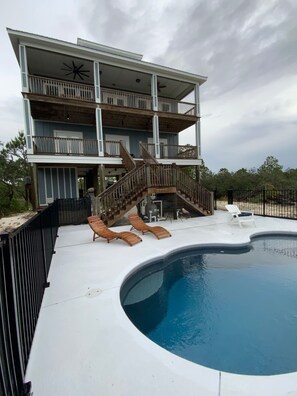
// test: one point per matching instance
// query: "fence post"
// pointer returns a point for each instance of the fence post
(230, 197)
(46, 284)
(264, 199)
(212, 203)
(215, 198)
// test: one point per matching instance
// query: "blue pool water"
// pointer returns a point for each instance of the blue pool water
(233, 310)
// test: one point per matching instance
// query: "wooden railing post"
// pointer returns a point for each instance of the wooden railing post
(174, 175)
(148, 175)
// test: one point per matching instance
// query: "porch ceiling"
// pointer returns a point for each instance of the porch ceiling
(59, 66)
(117, 117)
(62, 113)
(142, 120)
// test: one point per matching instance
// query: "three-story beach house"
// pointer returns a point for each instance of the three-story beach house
(96, 116)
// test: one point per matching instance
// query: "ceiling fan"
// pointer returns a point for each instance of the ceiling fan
(159, 86)
(75, 70)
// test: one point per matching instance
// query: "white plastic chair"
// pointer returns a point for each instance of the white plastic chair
(240, 217)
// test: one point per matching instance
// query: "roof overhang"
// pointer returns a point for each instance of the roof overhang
(100, 53)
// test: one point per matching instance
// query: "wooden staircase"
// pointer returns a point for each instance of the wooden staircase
(141, 180)
(193, 194)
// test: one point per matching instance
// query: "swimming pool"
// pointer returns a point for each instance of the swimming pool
(231, 309)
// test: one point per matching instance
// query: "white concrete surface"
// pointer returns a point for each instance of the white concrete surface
(84, 343)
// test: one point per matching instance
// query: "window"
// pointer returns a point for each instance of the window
(142, 104)
(68, 142)
(165, 107)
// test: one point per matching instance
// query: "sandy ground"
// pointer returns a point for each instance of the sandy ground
(11, 223)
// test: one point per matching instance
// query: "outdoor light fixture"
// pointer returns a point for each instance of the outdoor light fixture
(138, 80)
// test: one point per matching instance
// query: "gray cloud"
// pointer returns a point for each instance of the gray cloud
(246, 48)
(236, 43)
(11, 112)
(247, 145)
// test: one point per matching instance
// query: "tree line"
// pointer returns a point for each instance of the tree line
(270, 176)
(14, 169)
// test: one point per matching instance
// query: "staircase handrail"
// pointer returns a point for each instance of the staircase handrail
(120, 195)
(162, 175)
(115, 197)
(197, 193)
(128, 161)
(146, 155)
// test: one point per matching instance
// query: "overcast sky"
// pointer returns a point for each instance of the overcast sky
(246, 48)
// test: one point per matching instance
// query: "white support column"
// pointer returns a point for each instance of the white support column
(154, 91)
(197, 125)
(24, 69)
(97, 82)
(99, 131)
(197, 100)
(28, 125)
(156, 135)
(198, 138)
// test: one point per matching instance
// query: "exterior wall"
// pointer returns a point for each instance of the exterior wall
(56, 183)
(43, 128)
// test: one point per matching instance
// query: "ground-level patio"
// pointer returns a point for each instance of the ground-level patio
(84, 343)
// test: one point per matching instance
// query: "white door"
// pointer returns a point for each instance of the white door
(113, 149)
(163, 150)
(66, 142)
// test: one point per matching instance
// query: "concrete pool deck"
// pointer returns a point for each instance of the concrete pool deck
(84, 343)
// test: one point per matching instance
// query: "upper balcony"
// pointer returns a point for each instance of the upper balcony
(63, 83)
(111, 97)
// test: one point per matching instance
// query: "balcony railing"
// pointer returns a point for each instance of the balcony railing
(72, 146)
(173, 151)
(89, 147)
(70, 90)
(173, 106)
(126, 99)
(62, 89)
(112, 148)
(65, 146)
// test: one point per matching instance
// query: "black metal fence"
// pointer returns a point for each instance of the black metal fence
(74, 211)
(273, 203)
(25, 258)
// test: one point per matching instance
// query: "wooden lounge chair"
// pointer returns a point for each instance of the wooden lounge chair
(139, 225)
(100, 229)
